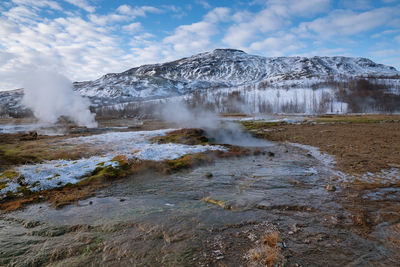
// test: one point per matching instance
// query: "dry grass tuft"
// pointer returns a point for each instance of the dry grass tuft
(268, 253)
(272, 239)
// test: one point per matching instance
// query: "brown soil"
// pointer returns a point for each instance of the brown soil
(357, 147)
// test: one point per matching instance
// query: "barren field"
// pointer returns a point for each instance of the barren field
(360, 144)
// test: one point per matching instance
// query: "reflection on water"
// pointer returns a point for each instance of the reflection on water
(156, 219)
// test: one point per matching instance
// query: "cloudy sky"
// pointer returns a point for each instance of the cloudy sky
(84, 39)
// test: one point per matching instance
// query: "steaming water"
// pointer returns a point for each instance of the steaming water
(57, 173)
(167, 215)
(156, 218)
(50, 95)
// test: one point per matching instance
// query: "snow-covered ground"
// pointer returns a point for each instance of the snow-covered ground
(57, 173)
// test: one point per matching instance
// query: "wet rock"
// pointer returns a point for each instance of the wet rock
(281, 244)
(31, 224)
(294, 228)
(321, 237)
(271, 154)
(21, 180)
(257, 152)
(218, 254)
(330, 188)
(50, 232)
(209, 175)
(122, 200)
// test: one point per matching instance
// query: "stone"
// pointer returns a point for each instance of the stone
(330, 187)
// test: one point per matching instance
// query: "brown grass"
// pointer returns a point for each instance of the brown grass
(268, 253)
(16, 152)
(271, 239)
(358, 147)
(183, 136)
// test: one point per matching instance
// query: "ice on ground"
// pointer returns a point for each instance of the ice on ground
(57, 173)
(384, 177)
(326, 159)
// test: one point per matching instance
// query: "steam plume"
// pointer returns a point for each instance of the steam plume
(49, 95)
(221, 131)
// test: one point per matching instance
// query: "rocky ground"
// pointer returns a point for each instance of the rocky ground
(279, 205)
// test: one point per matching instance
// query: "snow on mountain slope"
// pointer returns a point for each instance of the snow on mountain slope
(223, 68)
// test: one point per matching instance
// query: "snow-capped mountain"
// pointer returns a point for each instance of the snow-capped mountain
(272, 83)
(223, 68)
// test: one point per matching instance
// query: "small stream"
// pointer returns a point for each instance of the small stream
(187, 219)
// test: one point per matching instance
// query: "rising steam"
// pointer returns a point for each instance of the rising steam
(221, 131)
(49, 95)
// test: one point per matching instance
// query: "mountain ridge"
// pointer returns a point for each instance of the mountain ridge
(231, 70)
(223, 68)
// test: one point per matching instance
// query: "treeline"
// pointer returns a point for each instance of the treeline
(128, 110)
(331, 95)
(364, 95)
(15, 113)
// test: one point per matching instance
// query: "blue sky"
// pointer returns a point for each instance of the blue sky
(84, 39)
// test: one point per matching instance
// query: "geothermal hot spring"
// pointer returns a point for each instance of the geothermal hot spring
(218, 212)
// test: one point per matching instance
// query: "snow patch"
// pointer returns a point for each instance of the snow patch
(57, 173)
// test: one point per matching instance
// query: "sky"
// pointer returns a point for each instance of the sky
(85, 39)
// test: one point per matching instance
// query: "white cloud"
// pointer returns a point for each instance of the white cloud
(73, 46)
(81, 47)
(133, 27)
(276, 15)
(137, 11)
(107, 19)
(204, 4)
(301, 7)
(357, 4)
(38, 3)
(195, 37)
(21, 14)
(397, 38)
(346, 22)
(265, 21)
(276, 46)
(386, 53)
(387, 32)
(218, 14)
(84, 4)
